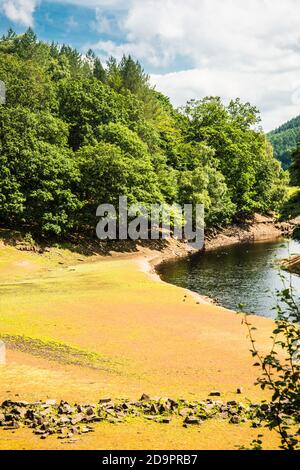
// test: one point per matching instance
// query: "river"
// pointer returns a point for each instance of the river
(245, 274)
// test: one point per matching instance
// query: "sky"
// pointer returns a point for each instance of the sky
(190, 48)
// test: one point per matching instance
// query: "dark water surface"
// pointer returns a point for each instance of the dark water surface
(245, 274)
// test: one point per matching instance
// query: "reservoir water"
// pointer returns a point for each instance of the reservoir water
(247, 274)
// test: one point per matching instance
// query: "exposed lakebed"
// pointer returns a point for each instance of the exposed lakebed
(247, 274)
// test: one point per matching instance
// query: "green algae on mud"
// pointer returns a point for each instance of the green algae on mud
(58, 352)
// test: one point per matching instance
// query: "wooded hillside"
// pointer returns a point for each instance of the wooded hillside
(75, 133)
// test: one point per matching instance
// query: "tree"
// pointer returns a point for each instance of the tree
(87, 103)
(242, 151)
(132, 75)
(202, 183)
(295, 166)
(38, 173)
(107, 172)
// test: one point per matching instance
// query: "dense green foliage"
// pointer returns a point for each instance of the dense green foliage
(75, 134)
(285, 140)
(295, 166)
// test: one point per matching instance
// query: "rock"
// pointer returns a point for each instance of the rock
(11, 427)
(110, 406)
(65, 408)
(2, 418)
(40, 432)
(7, 403)
(89, 411)
(173, 403)
(192, 420)
(154, 409)
(184, 412)
(150, 418)
(215, 393)
(87, 429)
(255, 424)
(77, 418)
(239, 390)
(50, 402)
(265, 407)
(166, 420)
(234, 420)
(163, 408)
(232, 403)
(145, 397)
(63, 420)
(104, 400)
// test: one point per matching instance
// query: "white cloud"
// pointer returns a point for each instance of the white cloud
(233, 48)
(225, 47)
(278, 95)
(19, 11)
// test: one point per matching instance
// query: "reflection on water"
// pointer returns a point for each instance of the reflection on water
(244, 274)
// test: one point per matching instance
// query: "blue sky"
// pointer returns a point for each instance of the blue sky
(61, 22)
(191, 48)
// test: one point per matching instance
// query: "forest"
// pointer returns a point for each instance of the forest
(75, 133)
(284, 140)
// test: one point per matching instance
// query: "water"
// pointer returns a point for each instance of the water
(246, 274)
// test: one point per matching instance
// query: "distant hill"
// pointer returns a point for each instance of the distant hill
(285, 139)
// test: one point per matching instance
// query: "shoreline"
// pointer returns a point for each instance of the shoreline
(145, 336)
(262, 229)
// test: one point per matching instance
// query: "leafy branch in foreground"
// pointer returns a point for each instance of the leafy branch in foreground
(280, 371)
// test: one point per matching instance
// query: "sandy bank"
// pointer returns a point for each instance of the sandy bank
(145, 335)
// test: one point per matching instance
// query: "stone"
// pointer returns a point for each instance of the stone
(63, 420)
(239, 390)
(104, 400)
(234, 420)
(166, 420)
(192, 420)
(184, 412)
(77, 418)
(2, 418)
(89, 411)
(215, 393)
(7, 403)
(173, 403)
(145, 397)
(50, 402)
(154, 409)
(264, 407)
(163, 408)
(66, 409)
(87, 429)
(232, 403)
